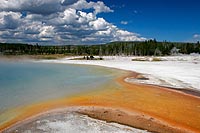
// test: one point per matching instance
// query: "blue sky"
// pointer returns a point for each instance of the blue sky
(98, 21)
(173, 20)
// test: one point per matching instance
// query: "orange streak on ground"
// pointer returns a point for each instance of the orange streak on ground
(176, 108)
(172, 106)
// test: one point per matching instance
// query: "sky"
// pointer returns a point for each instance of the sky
(60, 22)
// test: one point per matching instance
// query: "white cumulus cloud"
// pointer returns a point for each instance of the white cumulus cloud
(98, 6)
(196, 36)
(59, 22)
(124, 22)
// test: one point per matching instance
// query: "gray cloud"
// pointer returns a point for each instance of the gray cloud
(68, 2)
(47, 7)
(58, 22)
(9, 20)
(34, 6)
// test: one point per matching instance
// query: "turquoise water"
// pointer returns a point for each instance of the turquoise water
(23, 83)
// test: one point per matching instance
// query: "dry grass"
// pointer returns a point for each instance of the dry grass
(37, 57)
(147, 59)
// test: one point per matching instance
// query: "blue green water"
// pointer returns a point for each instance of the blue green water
(23, 83)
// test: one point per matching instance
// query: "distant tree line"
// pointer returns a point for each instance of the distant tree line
(150, 47)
